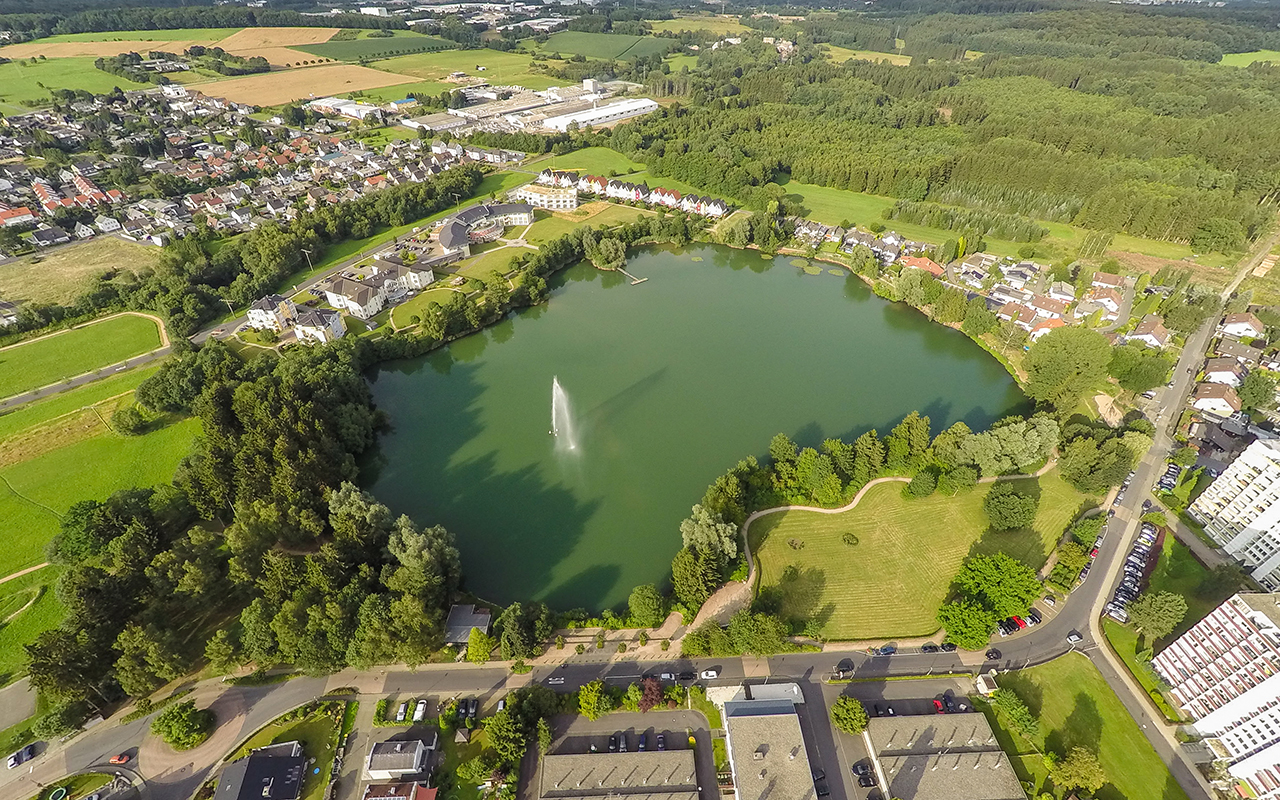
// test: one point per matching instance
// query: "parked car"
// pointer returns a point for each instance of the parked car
(937, 706)
(1033, 617)
(948, 702)
(860, 768)
(475, 707)
(889, 710)
(662, 742)
(667, 676)
(403, 711)
(993, 654)
(22, 756)
(867, 781)
(887, 650)
(711, 674)
(948, 647)
(420, 711)
(613, 743)
(1074, 637)
(928, 647)
(687, 676)
(1049, 601)
(878, 711)
(1020, 622)
(641, 744)
(622, 743)
(502, 704)
(555, 680)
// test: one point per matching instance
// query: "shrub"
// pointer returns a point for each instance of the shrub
(922, 485)
(129, 421)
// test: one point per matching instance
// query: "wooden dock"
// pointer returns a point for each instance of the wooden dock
(634, 279)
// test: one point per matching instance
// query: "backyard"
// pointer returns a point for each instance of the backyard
(891, 582)
(317, 729)
(49, 359)
(1076, 708)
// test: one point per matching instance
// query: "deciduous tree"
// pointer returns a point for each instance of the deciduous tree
(1066, 363)
(1157, 614)
(849, 715)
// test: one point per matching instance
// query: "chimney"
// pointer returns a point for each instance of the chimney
(762, 772)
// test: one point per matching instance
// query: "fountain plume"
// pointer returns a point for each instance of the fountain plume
(562, 418)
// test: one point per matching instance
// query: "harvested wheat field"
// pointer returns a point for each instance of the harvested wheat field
(94, 49)
(278, 88)
(282, 56)
(254, 38)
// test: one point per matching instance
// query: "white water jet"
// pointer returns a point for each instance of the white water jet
(562, 418)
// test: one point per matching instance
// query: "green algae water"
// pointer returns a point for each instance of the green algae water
(669, 384)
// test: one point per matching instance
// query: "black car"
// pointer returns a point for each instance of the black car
(948, 647)
(993, 654)
(867, 781)
(878, 712)
(948, 703)
(928, 647)
(613, 743)
(475, 708)
(1033, 617)
(641, 745)
(820, 784)
(662, 742)
(861, 768)
(686, 676)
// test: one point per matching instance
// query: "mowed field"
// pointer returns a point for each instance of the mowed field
(60, 276)
(720, 25)
(605, 46)
(432, 68)
(21, 82)
(49, 359)
(1076, 708)
(840, 55)
(278, 88)
(1245, 59)
(891, 583)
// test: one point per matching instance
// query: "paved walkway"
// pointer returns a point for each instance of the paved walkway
(17, 702)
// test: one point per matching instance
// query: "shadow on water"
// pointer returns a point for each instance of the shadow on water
(621, 400)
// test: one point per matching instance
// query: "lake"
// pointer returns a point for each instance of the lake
(671, 382)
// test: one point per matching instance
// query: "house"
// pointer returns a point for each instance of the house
(1048, 307)
(1109, 298)
(1244, 325)
(1226, 371)
(83, 231)
(927, 264)
(356, 297)
(1008, 294)
(395, 276)
(552, 198)
(321, 325)
(52, 235)
(1018, 314)
(268, 773)
(8, 313)
(1061, 290)
(1150, 331)
(982, 262)
(277, 206)
(462, 618)
(106, 224)
(1044, 326)
(272, 312)
(1020, 275)
(399, 791)
(16, 216)
(1217, 399)
(1105, 280)
(394, 760)
(1087, 308)
(1249, 356)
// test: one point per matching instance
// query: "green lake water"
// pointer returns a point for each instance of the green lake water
(671, 382)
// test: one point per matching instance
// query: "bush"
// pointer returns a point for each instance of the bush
(129, 421)
(1008, 509)
(183, 726)
(922, 485)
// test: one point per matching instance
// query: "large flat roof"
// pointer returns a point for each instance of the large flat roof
(953, 776)
(766, 749)
(923, 734)
(651, 775)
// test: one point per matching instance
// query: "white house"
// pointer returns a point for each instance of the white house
(1061, 290)
(1216, 399)
(1244, 325)
(1105, 280)
(1150, 331)
(1106, 297)
(552, 198)
(396, 759)
(1048, 307)
(1224, 370)
(272, 312)
(357, 297)
(1044, 326)
(320, 325)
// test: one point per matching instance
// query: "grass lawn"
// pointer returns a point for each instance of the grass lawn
(1179, 572)
(364, 48)
(1245, 59)
(77, 786)
(720, 25)
(61, 276)
(41, 411)
(40, 362)
(607, 46)
(548, 227)
(456, 754)
(593, 161)
(500, 68)
(842, 54)
(494, 261)
(1076, 708)
(1128, 643)
(318, 732)
(173, 35)
(679, 62)
(917, 547)
(45, 613)
(24, 81)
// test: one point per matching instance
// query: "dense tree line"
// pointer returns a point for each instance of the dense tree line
(990, 223)
(128, 66)
(36, 25)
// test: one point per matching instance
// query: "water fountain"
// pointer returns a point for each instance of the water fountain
(562, 418)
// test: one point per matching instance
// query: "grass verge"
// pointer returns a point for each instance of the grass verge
(40, 362)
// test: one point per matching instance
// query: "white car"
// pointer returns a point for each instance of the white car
(710, 674)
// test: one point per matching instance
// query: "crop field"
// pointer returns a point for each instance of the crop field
(1245, 59)
(357, 49)
(60, 276)
(40, 362)
(840, 55)
(916, 547)
(95, 49)
(170, 34)
(720, 25)
(499, 68)
(278, 88)
(607, 46)
(276, 56)
(252, 38)
(1076, 708)
(21, 82)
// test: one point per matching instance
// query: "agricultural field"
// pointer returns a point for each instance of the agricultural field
(724, 26)
(169, 34)
(22, 83)
(606, 46)
(840, 55)
(917, 547)
(95, 49)
(1076, 708)
(274, 89)
(499, 68)
(1245, 59)
(49, 359)
(279, 57)
(678, 63)
(381, 47)
(60, 276)
(253, 38)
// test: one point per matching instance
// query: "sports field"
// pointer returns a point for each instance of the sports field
(278, 88)
(49, 359)
(892, 581)
(499, 68)
(607, 46)
(720, 25)
(1076, 708)
(60, 276)
(356, 49)
(1245, 59)
(31, 82)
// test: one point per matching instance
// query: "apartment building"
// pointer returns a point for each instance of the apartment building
(1225, 673)
(1241, 511)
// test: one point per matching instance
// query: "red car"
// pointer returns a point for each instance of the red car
(1020, 622)
(1093, 553)
(123, 758)
(937, 705)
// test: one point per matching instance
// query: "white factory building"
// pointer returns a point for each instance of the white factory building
(1225, 673)
(602, 115)
(1241, 511)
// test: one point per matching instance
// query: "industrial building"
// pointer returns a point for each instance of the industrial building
(941, 757)
(602, 115)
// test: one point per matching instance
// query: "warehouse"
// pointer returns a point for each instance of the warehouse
(602, 115)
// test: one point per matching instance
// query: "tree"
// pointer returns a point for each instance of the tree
(148, 657)
(544, 736)
(221, 652)
(594, 700)
(182, 726)
(1157, 614)
(479, 769)
(128, 420)
(650, 694)
(506, 736)
(1066, 363)
(922, 485)
(967, 623)
(646, 606)
(1007, 508)
(1081, 769)
(1138, 368)
(957, 480)
(1186, 456)
(694, 576)
(1007, 703)
(1258, 390)
(479, 646)
(1004, 585)
(710, 534)
(849, 715)
(1091, 467)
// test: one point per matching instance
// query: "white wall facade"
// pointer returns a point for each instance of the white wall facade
(1241, 511)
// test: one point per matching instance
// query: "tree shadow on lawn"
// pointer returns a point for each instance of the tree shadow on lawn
(1026, 689)
(1083, 728)
(796, 596)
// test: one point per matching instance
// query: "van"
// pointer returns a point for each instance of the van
(402, 711)
(420, 711)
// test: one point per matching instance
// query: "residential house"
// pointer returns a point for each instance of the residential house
(16, 216)
(1087, 308)
(356, 297)
(1021, 274)
(462, 618)
(272, 312)
(45, 237)
(1151, 332)
(1048, 307)
(552, 198)
(1018, 314)
(1242, 326)
(1107, 297)
(399, 791)
(1106, 280)
(927, 264)
(1216, 399)
(268, 773)
(1008, 294)
(1225, 371)
(1249, 356)
(982, 262)
(1043, 326)
(321, 325)
(8, 313)
(397, 277)
(393, 760)
(1061, 290)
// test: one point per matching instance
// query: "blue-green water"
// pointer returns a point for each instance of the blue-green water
(672, 382)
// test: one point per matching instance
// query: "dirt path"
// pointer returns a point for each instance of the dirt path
(22, 572)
